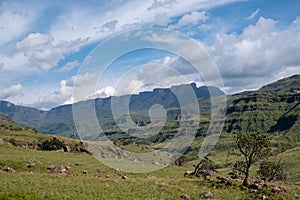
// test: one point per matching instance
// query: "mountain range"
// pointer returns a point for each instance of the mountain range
(59, 120)
(273, 109)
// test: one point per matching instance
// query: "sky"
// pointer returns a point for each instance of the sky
(43, 45)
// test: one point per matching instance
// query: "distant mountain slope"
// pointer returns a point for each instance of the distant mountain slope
(23, 115)
(263, 112)
(59, 120)
(5, 122)
(289, 84)
(273, 109)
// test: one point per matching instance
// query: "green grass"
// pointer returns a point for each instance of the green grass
(102, 182)
(38, 183)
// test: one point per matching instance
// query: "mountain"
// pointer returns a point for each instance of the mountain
(59, 120)
(24, 115)
(274, 108)
(7, 123)
(263, 112)
(289, 84)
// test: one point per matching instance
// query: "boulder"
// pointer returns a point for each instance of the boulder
(206, 195)
(185, 197)
(67, 148)
(50, 167)
(187, 173)
(276, 190)
(150, 177)
(224, 180)
(30, 165)
(9, 170)
(124, 177)
(58, 170)
(283, 189)
(162, 185)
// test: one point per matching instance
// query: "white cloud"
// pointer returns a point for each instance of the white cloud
(15, 19)
(44, 52)
(81, 80)
(11, 91)
(253, 14)
(90, 22)
(64, 94)
(69, 66)
(78, 25)
(259, 54)
(263, 27)
(104, 92)
(192, 18)
(161, 73)
(162, 4)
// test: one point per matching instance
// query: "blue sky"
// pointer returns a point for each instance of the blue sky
(44, 43)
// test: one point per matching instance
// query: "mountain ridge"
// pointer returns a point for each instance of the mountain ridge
(272, 108)
(59, 120)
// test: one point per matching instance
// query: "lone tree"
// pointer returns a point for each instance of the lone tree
(254, 147)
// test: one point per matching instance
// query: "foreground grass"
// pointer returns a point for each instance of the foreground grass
(101, 182)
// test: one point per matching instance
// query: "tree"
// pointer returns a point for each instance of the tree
(254, 147)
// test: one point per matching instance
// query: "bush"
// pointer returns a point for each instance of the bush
(52, 144)
(181, 161)
(273, 171)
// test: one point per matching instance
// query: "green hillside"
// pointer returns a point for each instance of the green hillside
(289, 84)
(87, 178)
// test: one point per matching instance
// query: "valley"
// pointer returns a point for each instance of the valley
(274, 110)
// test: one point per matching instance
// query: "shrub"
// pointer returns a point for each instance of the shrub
(181, 161)
(273, 171)
(52, 144)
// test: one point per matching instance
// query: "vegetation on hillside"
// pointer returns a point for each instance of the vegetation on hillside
(51, 174)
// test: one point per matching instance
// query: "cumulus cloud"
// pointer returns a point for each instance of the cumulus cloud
(162, 4)
(79, 25)
(162, 73)
(81, 80)
(109, 26)
(104, 92)
(54, 98)
(69, 66)
(178, 64)
(43, 51)
(11, 91)
(191, 18)
(260, 53)
(64, 94)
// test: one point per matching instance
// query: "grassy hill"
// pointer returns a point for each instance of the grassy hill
(87, 178)
(289, 84)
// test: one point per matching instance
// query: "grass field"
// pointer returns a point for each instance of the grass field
(101, 182)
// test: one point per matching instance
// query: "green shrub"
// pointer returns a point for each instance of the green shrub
(272, 171)
(52, 144)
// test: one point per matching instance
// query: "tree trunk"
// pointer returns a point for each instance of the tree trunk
(245, 182)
